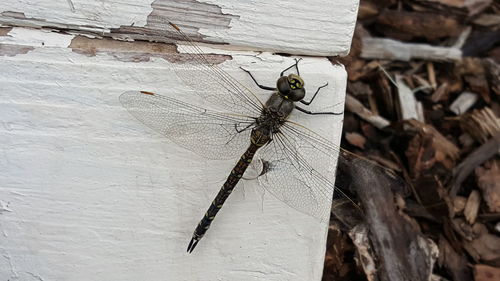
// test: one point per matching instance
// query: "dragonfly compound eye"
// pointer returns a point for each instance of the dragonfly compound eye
(291, 87)
(295, 82)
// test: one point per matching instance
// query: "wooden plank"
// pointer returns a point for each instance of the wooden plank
(88, 192)
(317, 27)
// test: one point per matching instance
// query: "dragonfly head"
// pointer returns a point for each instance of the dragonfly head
(291, 87)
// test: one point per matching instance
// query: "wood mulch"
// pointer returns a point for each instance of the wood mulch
(423, 102)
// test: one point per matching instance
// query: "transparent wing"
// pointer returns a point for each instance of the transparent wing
(300, 169)
(211, 134)
(207, 78)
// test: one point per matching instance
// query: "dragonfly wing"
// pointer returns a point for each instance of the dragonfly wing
(207, 78)
(211, 134)
(300, 170)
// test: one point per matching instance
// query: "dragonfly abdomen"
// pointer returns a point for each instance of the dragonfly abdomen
(235, 176)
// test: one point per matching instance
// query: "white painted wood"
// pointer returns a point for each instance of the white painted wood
(316, 27)
(89, 193)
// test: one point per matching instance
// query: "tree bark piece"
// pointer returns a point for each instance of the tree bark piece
(394, 239)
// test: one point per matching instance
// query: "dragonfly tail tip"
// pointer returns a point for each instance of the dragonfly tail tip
(192, 245)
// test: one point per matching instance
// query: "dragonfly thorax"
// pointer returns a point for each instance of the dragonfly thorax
(291, 87)
(270, 120)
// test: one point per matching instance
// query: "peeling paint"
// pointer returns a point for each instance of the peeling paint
(13, 50)
(36, 38)
(4, 31)
(201, 15)
(19, 19)
(137, 51)
(91, 46)
(13, 14)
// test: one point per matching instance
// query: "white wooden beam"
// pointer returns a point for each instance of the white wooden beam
(317, 27)
(89, 193)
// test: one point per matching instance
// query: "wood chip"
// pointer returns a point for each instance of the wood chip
(479, 85)
(463, 103)
(487, 20)
(338, 247)
(484, 246)
(472, 206)
(454, 262)
(423, 85)
(406, 25)
(488, 179)
(494, 74)
(431, 74)
(359, 88)
(357, 107)
(367, 9)
(359, 236)
(408, 103)
(356, 139)
(473, 160)
(385, 94)
(441, 93)
(484, 272)
(430, 157)
(470, 8)
(459, 204)
(424, 151)
(481, 124)
(389, 49)
(439, 57)
(466, 140)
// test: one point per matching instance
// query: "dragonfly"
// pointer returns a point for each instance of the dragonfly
(299, 161)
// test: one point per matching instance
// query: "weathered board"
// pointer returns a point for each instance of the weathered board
(315, 27)
(89, 193)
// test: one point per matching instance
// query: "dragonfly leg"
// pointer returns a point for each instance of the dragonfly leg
(317, 91)
(317, 113)
(312, 99)
(296, 64)
(244, 129)
(257, 83)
